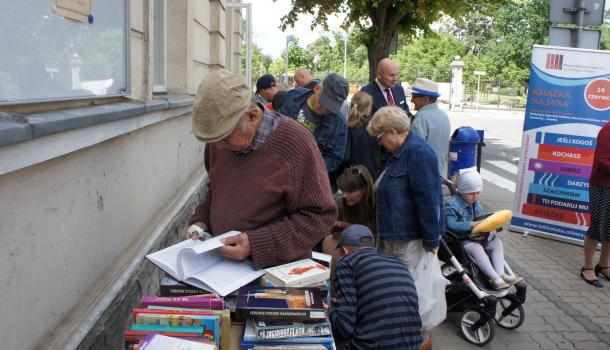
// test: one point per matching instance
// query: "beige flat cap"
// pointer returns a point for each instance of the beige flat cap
(222, 98)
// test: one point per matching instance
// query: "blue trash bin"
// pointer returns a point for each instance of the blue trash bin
(464, 149)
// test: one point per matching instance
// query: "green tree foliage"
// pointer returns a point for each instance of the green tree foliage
(261, 63)
(429, 57)
(297, 57)
(500, 42)
(605, 28)
(377, 21)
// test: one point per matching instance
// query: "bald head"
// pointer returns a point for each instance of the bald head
(387, 73)
(301, 77)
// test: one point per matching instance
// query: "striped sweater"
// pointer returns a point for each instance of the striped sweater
(376, 305)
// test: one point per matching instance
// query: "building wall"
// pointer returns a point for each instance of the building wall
(80, 208)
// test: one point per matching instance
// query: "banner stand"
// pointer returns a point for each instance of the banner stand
(568, 101)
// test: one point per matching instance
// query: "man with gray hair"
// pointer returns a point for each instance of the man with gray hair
(266, 177)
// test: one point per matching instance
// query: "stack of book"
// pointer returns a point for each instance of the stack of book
(198, 318)
(285, 317)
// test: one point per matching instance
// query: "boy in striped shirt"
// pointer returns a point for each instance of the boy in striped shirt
(376, 301)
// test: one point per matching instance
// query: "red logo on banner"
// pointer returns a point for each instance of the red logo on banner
(597, 94)
(554, 61)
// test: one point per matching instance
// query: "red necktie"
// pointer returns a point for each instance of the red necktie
(390, 98)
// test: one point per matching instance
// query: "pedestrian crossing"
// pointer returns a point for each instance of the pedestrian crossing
(498, 180)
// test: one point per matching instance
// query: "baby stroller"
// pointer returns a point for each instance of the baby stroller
(470, 292)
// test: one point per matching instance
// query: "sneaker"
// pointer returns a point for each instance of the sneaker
(498, 283)
(511, 279)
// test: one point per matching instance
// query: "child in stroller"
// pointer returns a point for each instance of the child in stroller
(463, 212)
(479, 302)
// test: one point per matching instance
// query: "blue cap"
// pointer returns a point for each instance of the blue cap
(353, 236)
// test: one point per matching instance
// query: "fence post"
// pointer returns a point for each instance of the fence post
(498, 90)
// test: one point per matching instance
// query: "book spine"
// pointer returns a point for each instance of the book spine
(179, 291)
(284, 315)
(209, 303)
(177, 329)
(293, 331)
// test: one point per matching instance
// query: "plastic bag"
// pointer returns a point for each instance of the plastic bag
(430, 285)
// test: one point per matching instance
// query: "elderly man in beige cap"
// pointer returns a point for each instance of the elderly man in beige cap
(266, 178)
(431, 123)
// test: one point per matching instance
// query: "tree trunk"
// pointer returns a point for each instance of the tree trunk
(378, 50)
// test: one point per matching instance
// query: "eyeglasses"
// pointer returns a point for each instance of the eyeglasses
(381, 135)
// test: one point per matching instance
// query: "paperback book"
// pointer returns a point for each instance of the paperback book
(200, 264)
(251, 336)
(224, 316)
(195, 302)
(280, 304)
(210, 323)
(157, 341)
(278, 330)
(169, 287)
(300, 273)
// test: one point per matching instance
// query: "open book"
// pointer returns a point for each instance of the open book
(200, 264)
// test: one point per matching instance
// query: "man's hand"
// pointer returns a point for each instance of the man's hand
(432, 250)
(191, 232)
(236, 247)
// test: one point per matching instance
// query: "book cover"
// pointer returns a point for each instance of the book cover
(196, 302)
(248, 332)
(298, 273)
(169, 287)
(225, 320)
(277, 330)
(280, 304)
(158, 341)
(210, 323)
(199, 263)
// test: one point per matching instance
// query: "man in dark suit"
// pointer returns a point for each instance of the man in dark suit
(385, 90)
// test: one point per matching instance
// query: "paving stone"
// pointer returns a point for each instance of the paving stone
(580, 336)
(590, 345)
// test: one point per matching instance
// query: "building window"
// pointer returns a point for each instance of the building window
(158, 43)
(48, 57)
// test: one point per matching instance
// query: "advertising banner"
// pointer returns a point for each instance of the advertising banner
(568, 102)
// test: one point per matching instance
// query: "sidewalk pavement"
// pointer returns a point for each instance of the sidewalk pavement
(561, 310)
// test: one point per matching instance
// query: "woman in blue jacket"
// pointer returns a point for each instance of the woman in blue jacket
(410, 216)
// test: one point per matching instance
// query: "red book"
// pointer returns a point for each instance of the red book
(194, 302)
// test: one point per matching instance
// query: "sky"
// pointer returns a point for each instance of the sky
(267, 35)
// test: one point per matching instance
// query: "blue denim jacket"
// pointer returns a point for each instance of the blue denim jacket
(331, 135)
(459, 215)
(409, 197)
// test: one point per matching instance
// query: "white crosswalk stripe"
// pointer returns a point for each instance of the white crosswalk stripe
(498, 180)
(511, 168)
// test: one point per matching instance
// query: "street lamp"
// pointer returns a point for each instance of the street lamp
(289, 39)
(479, 73)
(345, 56)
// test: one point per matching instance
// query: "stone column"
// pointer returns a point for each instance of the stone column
(456, 95)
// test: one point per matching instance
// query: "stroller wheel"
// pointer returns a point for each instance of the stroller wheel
(513, 320)
(481, 336)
